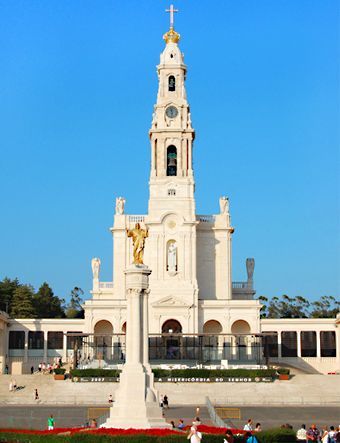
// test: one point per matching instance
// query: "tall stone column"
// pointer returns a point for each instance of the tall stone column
(136, 402)
(337, 341)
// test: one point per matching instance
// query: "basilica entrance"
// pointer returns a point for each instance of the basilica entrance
(172, 343)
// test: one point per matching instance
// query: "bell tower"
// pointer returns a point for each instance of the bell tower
(171, 135)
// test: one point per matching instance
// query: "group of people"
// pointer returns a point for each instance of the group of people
(313, 434)
(47, 368)
(249, 426)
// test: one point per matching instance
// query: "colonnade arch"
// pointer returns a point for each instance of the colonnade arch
(103, 332)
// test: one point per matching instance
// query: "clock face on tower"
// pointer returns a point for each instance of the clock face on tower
(171, 112)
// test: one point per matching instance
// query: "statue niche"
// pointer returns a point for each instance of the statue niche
(172, 257)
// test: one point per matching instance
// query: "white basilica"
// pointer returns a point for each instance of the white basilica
(196, 312)
(189, 254)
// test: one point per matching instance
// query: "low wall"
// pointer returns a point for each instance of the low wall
(309, 365)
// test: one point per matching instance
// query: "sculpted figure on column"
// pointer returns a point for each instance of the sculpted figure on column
(138, 238)
(95, 262)
(120, 202)
(250, 265)
(224, 205)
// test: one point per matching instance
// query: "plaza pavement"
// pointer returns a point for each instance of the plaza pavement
(35, 417)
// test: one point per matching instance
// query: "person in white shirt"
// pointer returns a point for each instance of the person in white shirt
(249, 425)
(194, 436)
(301, 434)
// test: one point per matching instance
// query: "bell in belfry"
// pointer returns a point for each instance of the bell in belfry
(172, 162)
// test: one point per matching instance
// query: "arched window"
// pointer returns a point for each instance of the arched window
(171, 161)
(172, 83)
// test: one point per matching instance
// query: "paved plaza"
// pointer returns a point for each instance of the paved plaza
(35, 417)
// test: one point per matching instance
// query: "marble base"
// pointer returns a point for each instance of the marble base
(136, 404)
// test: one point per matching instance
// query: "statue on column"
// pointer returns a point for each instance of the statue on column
(95, 263)
(138, 239)
(120, 202)
(172, 257)
(250, 264)
(224, 205)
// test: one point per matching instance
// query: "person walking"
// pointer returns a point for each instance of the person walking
(332, 435)
(194, 435)
(36, 395)
(166, 402)
(50, 423)
(324, 434)
(229, 437)
(301, 434)
(313, 433)
(32, 370)
(249, 425)
(181, 424)
(249, 438)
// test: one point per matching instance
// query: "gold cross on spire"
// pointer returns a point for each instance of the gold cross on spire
(171, 10)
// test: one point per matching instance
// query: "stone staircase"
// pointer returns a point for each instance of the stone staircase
(53, 392)
(302, 389)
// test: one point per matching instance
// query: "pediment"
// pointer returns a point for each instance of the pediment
(169, 301)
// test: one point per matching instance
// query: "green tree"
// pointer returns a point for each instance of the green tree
(286, 307)
(7, 288)
(326, 307)
(46, 304)
(22, 302)
(74, 308)
(264, 310)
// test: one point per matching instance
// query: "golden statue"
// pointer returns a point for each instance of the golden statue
(138, 239)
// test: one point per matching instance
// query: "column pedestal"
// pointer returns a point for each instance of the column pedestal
(136, 401)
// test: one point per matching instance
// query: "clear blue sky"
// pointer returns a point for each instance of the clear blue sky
(77, 88)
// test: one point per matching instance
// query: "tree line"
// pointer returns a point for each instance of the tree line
(299, 307)
(22, 301)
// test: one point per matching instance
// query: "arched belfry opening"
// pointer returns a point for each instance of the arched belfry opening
(171, 157)
(171, 83)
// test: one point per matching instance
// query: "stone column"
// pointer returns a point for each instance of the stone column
(318, 344)
(136, 402)
(145, 340)
(190, 172)
(45, 346)
(26, 347)
(64, 348)
(337, 341)
(298, 337)
(279, 345)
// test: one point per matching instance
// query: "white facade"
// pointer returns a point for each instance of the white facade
(196, 286)
(189, 254)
